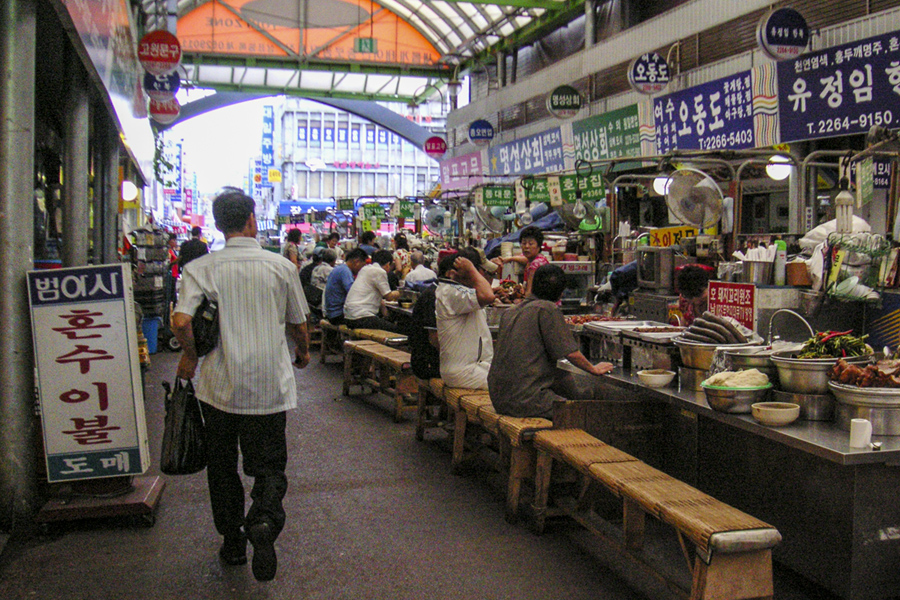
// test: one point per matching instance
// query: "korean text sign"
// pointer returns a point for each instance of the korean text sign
(268, 150)
(717, 114)
(608, 135)
(840, 90)
(736, 300)
(534, 154)
(89, 381)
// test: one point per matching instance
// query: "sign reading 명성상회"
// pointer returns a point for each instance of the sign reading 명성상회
(841, 90)
(88, 373)
(736, 300)
(533, 154)
(564, 102)
(713, 115)
(609, 135)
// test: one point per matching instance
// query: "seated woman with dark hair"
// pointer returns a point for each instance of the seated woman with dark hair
(523, 380)
(531, 240)
(692, 282)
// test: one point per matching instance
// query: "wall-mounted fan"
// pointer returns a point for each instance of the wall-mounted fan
(492, 217)
(694, 198)
(437, 219)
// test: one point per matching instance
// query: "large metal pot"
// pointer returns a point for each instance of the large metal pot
(753, 358)
(807, 375)
(881, 406)
(699, 356)
(813, 407)
(735, 400)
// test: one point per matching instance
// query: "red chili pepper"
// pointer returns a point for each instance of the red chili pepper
(834, 334)
(843, 352)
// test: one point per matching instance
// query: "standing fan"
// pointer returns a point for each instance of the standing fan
(694, 198)
(491, 218)
(437, 219)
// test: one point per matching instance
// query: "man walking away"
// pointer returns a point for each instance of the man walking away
(191, 249)
(246, 383)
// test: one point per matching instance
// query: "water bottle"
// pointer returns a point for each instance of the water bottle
(780, 262)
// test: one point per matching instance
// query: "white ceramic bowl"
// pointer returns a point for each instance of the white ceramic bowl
(775, 414)
(656, 378)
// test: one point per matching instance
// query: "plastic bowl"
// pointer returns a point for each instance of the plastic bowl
(735, 400)
(656, 378)
(775, 414)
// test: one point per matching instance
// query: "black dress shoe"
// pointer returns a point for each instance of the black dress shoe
(234, 550)
(265, 561)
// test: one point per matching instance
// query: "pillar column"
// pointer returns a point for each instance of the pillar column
(76, 213)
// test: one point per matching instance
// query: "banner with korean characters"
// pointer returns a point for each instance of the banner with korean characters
(710, 116)
(371, 213)
(736, 300)
(88, 372)
(494, 195)
(568, 189)
(612, 134)
(669, 236)
(462, 172)
(841, 90)
(534, 154)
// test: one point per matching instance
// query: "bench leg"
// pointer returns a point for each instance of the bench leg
(734, 576)
(521, 467)
(422, 412)
(348, 372)
(459, 439)
(405, 385)
(633, 521)
(542, 470)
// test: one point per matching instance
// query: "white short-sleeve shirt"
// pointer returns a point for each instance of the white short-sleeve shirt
(465, 339)
(258, 292)
(365, 295)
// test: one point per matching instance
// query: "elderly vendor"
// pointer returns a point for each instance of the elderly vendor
(524, 380)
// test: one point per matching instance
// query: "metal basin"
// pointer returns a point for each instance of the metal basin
(741, 360)
(881, 406)
(700, 356)
(735, 400)
(813, 407)
(807, 375)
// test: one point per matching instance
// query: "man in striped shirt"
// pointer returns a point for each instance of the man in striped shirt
(246, 382)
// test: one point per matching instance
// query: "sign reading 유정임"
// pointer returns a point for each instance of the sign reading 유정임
(782, 33)
(88, 374)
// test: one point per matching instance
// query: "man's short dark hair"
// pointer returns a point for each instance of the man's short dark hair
(532, 233)
(196, 231)
(446, 264)
(549, 283)
(356, 254)
(231, 209)
(692, 281)
(293, 235)
(367, 237)
(471, 254)
(382, 257)
(334, 236)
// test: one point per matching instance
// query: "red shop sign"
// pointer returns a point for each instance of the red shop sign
(736, 300)
(159, 52)
(435, 147)
(164, 111)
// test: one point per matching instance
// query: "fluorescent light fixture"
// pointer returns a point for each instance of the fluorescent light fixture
(129, 191)
(661, 185)
(779, 167)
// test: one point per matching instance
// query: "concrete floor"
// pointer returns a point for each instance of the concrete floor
(372, 514)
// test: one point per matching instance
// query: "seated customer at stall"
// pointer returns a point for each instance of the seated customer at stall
(420, 271)
(692, 282)
(367, 242)
(524, 380)
(464, 338)
(362, 308)
(425, 358)
(338, 284)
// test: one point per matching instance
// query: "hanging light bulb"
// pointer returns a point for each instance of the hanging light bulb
(579, 210)
(526, 218)
(661, 184)
(779, 168)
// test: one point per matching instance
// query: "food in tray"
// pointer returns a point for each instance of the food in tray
(508, 291)
(713, 329)
(835, 344)
(658, 329)
(751, 378)
(884, 373)
(582, 319)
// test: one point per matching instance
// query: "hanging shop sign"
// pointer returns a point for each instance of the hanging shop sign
(534, 154)
(564, 102)
(612, 134)
(481, 132)
(669, 236)
(865, 182)
(648, 73)
(344, 204)
(533, 189)
(842, 90)
(372, 211)
(714, 115)
(164, 111)
(568, 189)
(268, 132)
(159, 52)
(461, 172)
(162, 87)
(736, 300)
(782, 34)
(406, 210)
(88, 372)
(494, 196)
(435, 146)
(274, 176)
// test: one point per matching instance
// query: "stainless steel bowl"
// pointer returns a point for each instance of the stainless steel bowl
(744, 359)
(813, 407)
(735, 400)
(881, 406)
(699, 356)
(807, 375)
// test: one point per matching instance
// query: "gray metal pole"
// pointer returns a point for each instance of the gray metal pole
(111, 203)
(76, 216)
(17, 423)
(589, 24)
(98, 161)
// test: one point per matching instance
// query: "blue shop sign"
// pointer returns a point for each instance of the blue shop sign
(842, 90)
(648, 73)
(162, 87)
(711, 116)
(481, 132)
(782, 34)
(534, 154)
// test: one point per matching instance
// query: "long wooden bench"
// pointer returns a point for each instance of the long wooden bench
(388, 338)
(333, 338)
(429, 401)
(512, 436)
(384, 369)
(732, 550)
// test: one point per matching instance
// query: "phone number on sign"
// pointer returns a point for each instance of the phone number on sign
(838, 124)
(727, 140)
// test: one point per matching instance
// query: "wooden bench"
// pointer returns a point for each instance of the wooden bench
(388, 338)
(430, 400)
(732, 550)
(512, 436)
(384, 369)
(333, 338)
(315, 337)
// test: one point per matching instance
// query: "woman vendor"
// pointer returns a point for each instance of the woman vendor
(531, 240)
(692, 282)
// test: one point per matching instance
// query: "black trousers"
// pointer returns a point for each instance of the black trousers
(261, 440)
(372, 323)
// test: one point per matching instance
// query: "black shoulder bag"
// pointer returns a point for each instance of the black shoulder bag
(205, 326)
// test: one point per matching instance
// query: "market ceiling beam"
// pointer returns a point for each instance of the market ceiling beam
(311, 93)
(544, 4)
(538, 28)
(253, 62)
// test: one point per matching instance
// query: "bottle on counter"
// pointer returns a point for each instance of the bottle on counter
(780, 265)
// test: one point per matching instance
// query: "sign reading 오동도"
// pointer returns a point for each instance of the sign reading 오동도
(736, 300)
(648, 73)
(89, 381)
